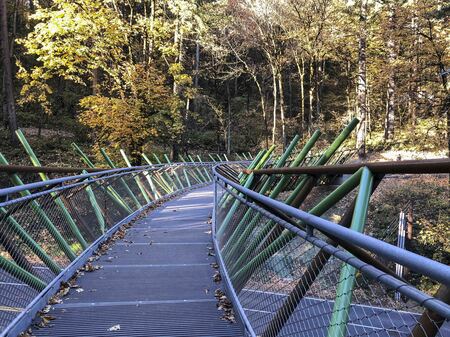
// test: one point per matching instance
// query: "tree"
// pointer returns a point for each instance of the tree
(9, 105)
(149, 112)
(362, 81)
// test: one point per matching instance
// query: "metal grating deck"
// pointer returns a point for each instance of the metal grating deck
(155, 282)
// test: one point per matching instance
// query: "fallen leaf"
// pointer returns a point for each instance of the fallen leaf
(114, 328)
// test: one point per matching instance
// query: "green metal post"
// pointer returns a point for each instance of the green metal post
(339, 319)
(323, 206)
(226, 158)
(95, 207)
(244, 227)
(185, 173)
(73, 226)
(245, 156)
(187, 178)
(247, 184)
(33, 245)
(249, 155)
(218, 156)
(337, 142)
(203, 179)
(62, 243)
(141, 187)
(208, 176)
(174, 171)
(159, 179)
(122, 181)
(83, 156)
(109, 189)
(194, 174)
(243, 176)
(21, 274)
(239, 157)
(304, 182)
(212, 158)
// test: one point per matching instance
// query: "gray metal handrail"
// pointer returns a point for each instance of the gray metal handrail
(56, 226)
(421, 264)
(252, 249)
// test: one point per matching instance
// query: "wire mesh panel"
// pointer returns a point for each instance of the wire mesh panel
(290, 281)
(46, 227)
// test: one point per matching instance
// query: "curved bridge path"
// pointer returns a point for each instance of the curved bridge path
(157, 281)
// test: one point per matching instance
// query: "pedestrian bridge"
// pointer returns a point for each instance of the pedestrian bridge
(211, 249)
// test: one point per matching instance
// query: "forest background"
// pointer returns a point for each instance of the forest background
(228, 76)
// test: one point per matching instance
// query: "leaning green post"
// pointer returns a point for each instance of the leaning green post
(109, 190)
(124, 184)
(136, 177)
(83, 156)
(95, 206)
(245, 157)
(329, 152)
(166, 157)
(247, 184)
(203, 179)
(166, 174)
(249, 155)
(329, 201)
(21, 274)
(339, 319)
(157, 159)
(226, 158)
(194, 174)
(187, 178)
(185, 174)
(243, 176)
(239, 157)
(204, 169)
(218, 156)
(54, 232)
(28, 240)
(337, 142)
(212, 158)
(73, 226)
(244, 226)
(159, 179)
(175, 172)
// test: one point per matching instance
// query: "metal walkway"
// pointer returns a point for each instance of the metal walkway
(157, 281)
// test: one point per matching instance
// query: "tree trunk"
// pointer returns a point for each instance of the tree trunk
(275, 102)
(197, 63)
(152, 28)
(228, 143)
(95, 79)
(7, 74)
(413, 88)
(318, 89)
(263, 108)
(391, 88)
(311, 97)
(281, 93)
(301, 74)
(362, 83)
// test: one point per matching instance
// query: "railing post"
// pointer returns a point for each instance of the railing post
(112, 193)
(54, 232)
(73, 226)
(124, 184)
(340, 316)
(159, 178)
(147, 196)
